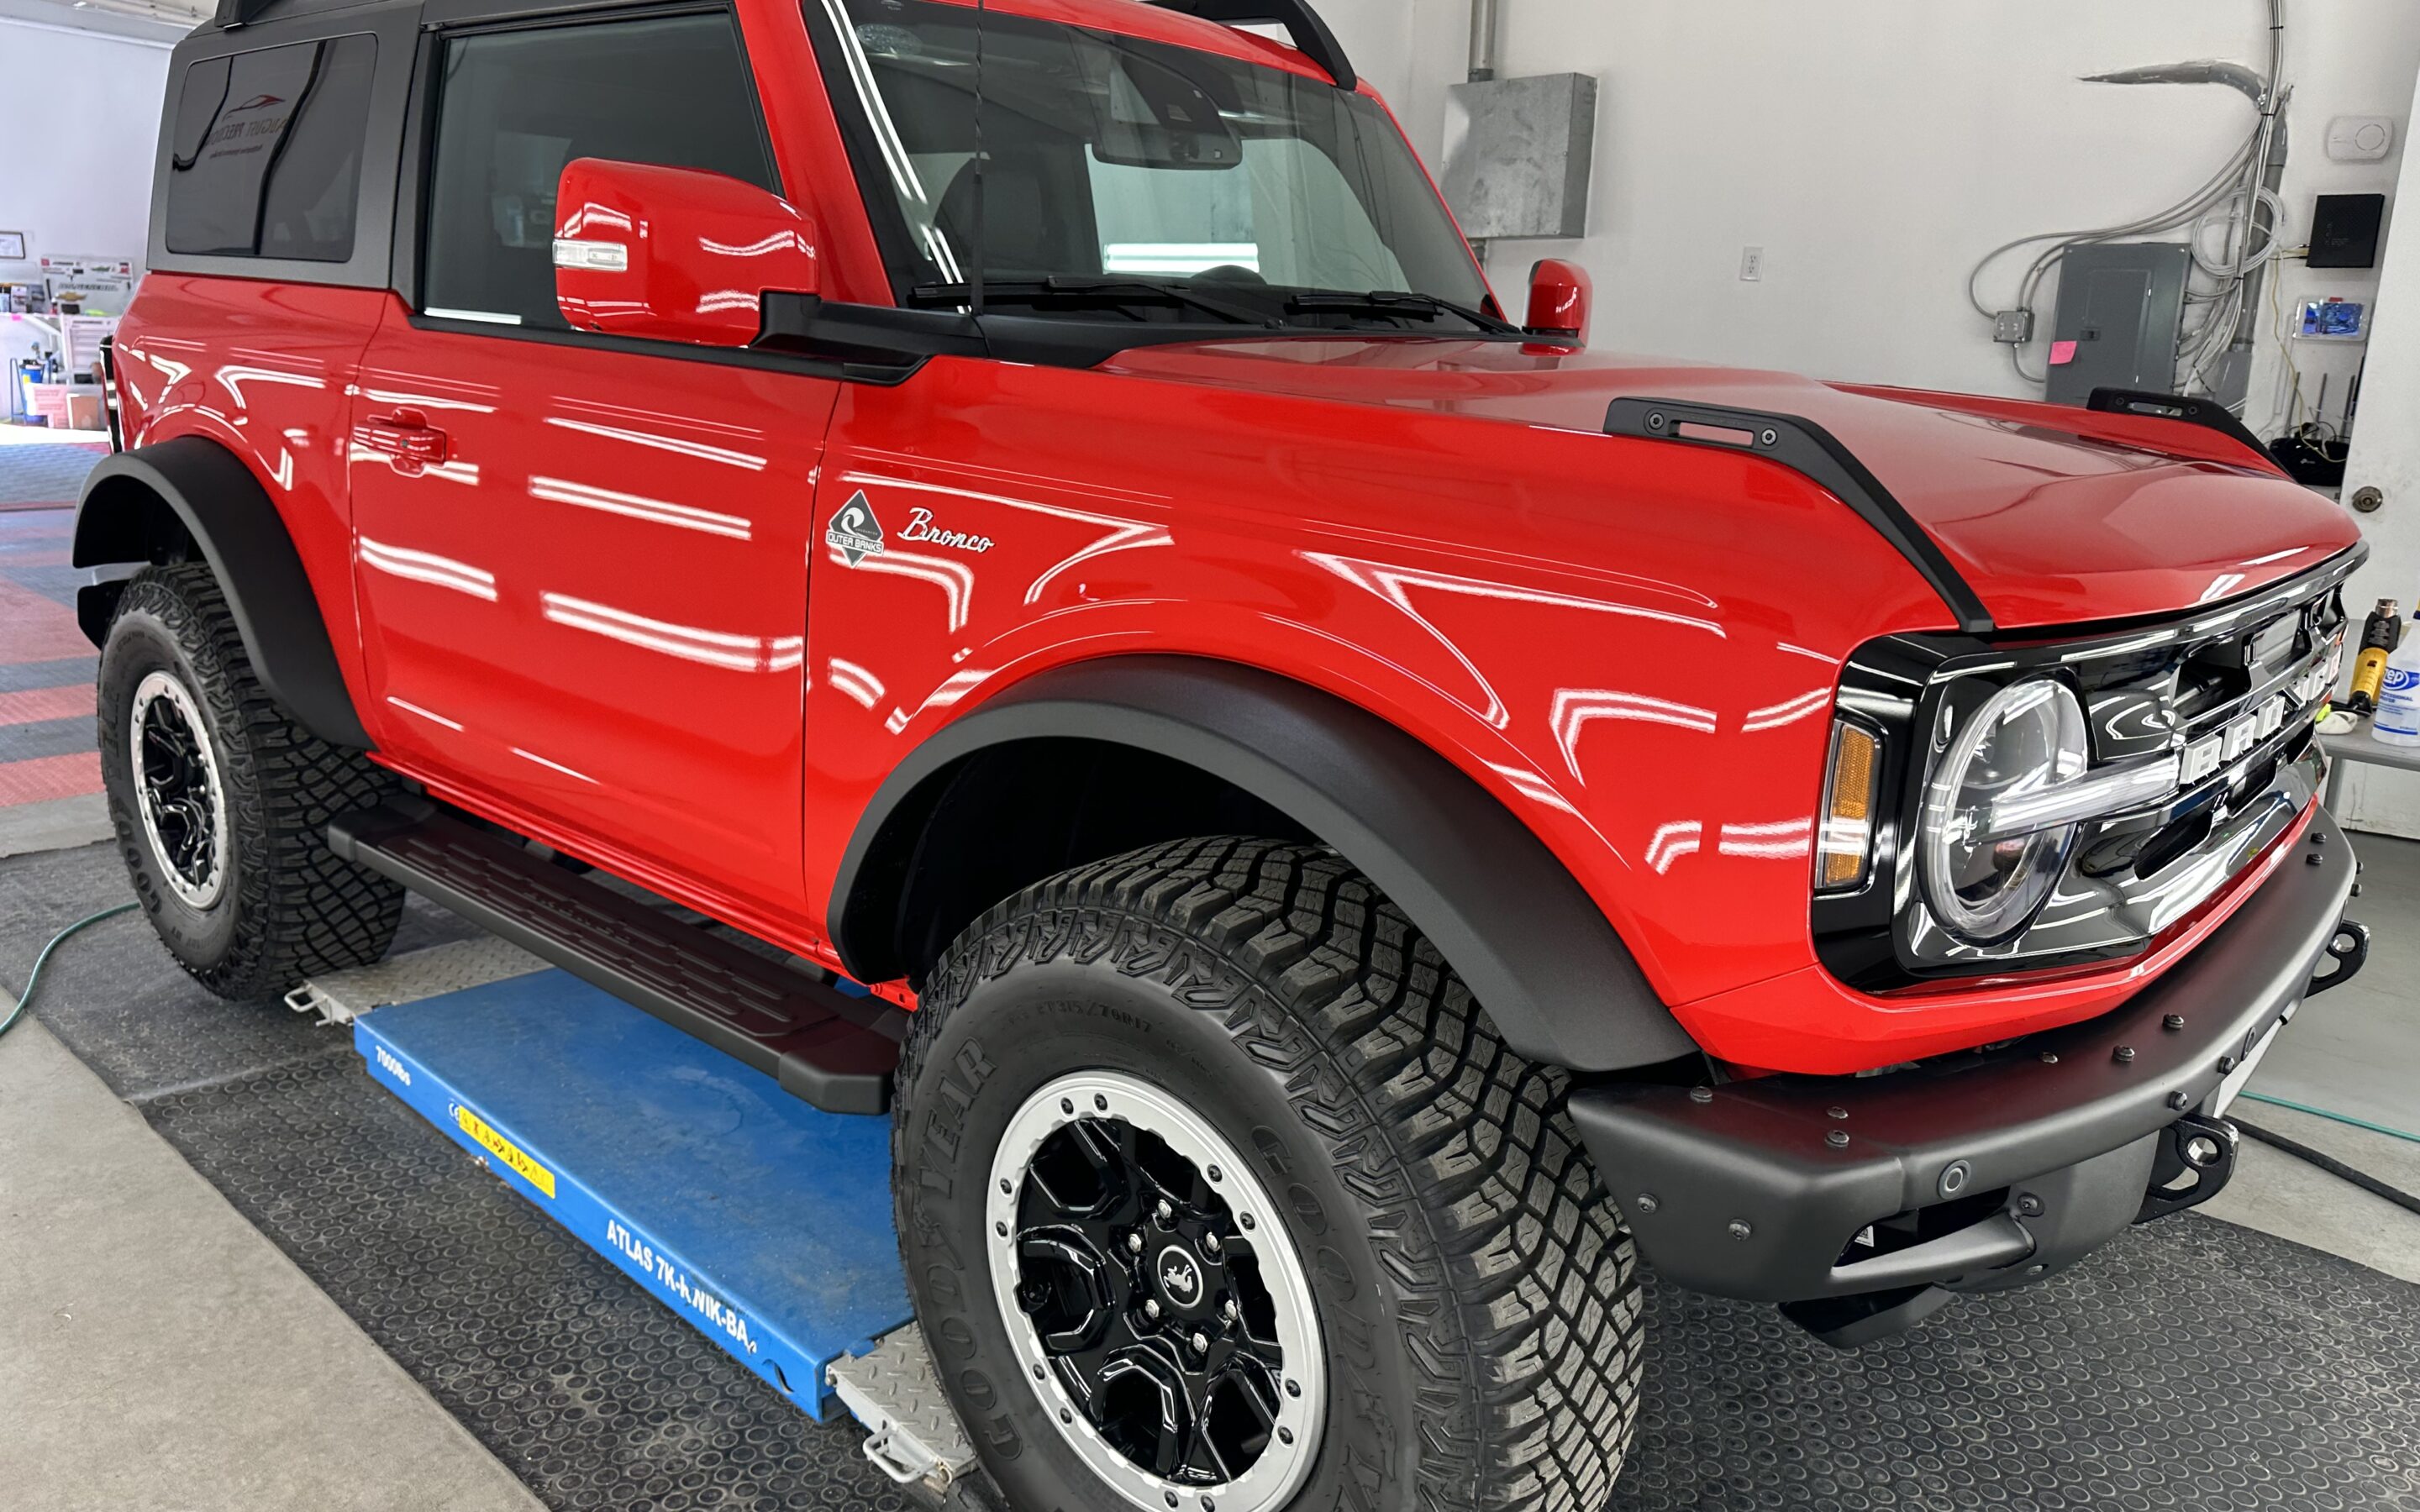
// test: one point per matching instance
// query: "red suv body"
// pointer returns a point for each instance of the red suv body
(696, 524)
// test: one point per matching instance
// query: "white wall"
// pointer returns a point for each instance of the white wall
(80, 182)
(2386, 454)
(1875, 151)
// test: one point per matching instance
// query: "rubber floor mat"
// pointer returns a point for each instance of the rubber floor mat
(2191, 1364)
(587, 1388)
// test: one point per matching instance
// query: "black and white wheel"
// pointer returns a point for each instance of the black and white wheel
(1172, 1336)
(220, 801)
(1218, 1194)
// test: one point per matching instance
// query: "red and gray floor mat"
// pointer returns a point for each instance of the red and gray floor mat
(47, 749)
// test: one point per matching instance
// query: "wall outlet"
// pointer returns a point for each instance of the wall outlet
(1752, 265)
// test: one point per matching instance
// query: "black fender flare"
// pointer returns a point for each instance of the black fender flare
(1526, 937)
(221, 505)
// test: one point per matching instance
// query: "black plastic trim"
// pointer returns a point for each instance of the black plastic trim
(243, 538)
(2183, 409)
(1311, 35)
(883, 343)
(825, 1047)
(1530, 944)
(109, 395)
(1812, 452)
(1744, 1190)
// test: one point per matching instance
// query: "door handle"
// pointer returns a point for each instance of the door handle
(406, 435)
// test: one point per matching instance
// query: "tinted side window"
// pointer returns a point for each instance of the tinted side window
(266, 156)
(518, 105)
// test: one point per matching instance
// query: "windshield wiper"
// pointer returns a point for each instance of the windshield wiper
(1079, 292)
(1396, 303)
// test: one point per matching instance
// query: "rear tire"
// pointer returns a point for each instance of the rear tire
(221, 800)
(1475, 1296)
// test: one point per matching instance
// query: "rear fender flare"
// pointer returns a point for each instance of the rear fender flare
(237, 531)
(1526, 937)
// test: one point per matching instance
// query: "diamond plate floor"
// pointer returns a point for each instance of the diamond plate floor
(2193, 1364)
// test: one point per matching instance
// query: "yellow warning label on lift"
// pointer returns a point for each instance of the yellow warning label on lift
(504, 1150)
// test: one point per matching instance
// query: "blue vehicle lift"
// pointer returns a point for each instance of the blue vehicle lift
(765, 1223)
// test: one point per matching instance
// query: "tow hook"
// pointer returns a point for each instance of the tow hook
(2350, 949)
(2195, 1147)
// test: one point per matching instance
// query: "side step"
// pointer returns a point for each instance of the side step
(832, 1051)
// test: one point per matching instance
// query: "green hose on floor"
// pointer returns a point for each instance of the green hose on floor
(34, 977)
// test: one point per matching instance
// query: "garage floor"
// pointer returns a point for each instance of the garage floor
(242, 1276)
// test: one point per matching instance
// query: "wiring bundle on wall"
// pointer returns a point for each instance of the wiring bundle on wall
(2237, 205)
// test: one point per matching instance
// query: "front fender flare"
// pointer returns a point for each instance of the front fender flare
(1526, 937)
(228, 515)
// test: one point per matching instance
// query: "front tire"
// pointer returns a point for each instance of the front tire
(220, 801)
(1209, 1034)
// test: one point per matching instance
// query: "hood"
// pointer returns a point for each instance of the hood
(2053, 515)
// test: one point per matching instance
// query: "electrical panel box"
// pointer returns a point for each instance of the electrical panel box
(1518, 155)
(2122, 307)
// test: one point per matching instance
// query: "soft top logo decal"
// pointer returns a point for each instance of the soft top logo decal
(257, 102)
(854, 532)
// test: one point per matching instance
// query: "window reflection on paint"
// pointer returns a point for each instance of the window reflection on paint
(713, 648)
(426, 567)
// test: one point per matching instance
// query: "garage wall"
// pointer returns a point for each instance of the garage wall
(1875, 151)
(86, 191)
(2386, 454)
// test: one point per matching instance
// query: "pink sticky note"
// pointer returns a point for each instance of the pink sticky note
(2061, 353)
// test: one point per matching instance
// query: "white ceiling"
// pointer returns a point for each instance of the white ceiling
(162, 21)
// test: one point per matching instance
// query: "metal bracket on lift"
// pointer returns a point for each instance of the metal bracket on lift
(1812, 452)
(1311, 35)
(913, 1435)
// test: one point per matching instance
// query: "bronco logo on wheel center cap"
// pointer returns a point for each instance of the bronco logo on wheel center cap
(1180, 1276)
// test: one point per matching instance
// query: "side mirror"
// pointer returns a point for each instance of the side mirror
(673, 253)
(1558, 302)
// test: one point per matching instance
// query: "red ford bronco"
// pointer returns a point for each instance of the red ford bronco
(1362, 820)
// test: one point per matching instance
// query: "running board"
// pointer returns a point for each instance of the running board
(828, 1049)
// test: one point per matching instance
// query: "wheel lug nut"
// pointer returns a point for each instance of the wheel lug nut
(1210, 1243)
(1150, 1310)
(1164, 1211)
(1201, 1343)
(1227, 1309)
(1134, 1243)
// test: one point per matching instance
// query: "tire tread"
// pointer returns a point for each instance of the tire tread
(1514, 1276)
(303, 909)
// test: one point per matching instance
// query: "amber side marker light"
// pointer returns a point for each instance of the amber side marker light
(1844, 841)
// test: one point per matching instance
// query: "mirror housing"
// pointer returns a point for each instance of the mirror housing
(675, 254)
(1559, 297)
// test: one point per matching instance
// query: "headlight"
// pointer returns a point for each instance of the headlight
(1985, 872)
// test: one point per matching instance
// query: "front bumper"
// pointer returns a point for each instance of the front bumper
(1969, 1173)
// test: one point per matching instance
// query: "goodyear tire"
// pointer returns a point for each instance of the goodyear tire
(220, 801)
(1217, 1191)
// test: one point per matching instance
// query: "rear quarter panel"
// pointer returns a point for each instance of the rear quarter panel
(264, 369)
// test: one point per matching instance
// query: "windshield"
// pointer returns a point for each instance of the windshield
(1113, 165)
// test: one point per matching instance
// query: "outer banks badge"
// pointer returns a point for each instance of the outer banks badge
(854, 532)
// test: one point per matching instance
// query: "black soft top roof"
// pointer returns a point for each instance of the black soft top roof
(246, 12)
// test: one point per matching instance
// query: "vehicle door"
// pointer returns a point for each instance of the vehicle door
(582, 560)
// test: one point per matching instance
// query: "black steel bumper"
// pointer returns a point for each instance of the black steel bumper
(1970, 1173)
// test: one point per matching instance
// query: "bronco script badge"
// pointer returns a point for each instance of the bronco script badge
(854, 532)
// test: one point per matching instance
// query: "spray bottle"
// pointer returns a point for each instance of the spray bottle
(2397, 720)
(2380, 635)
